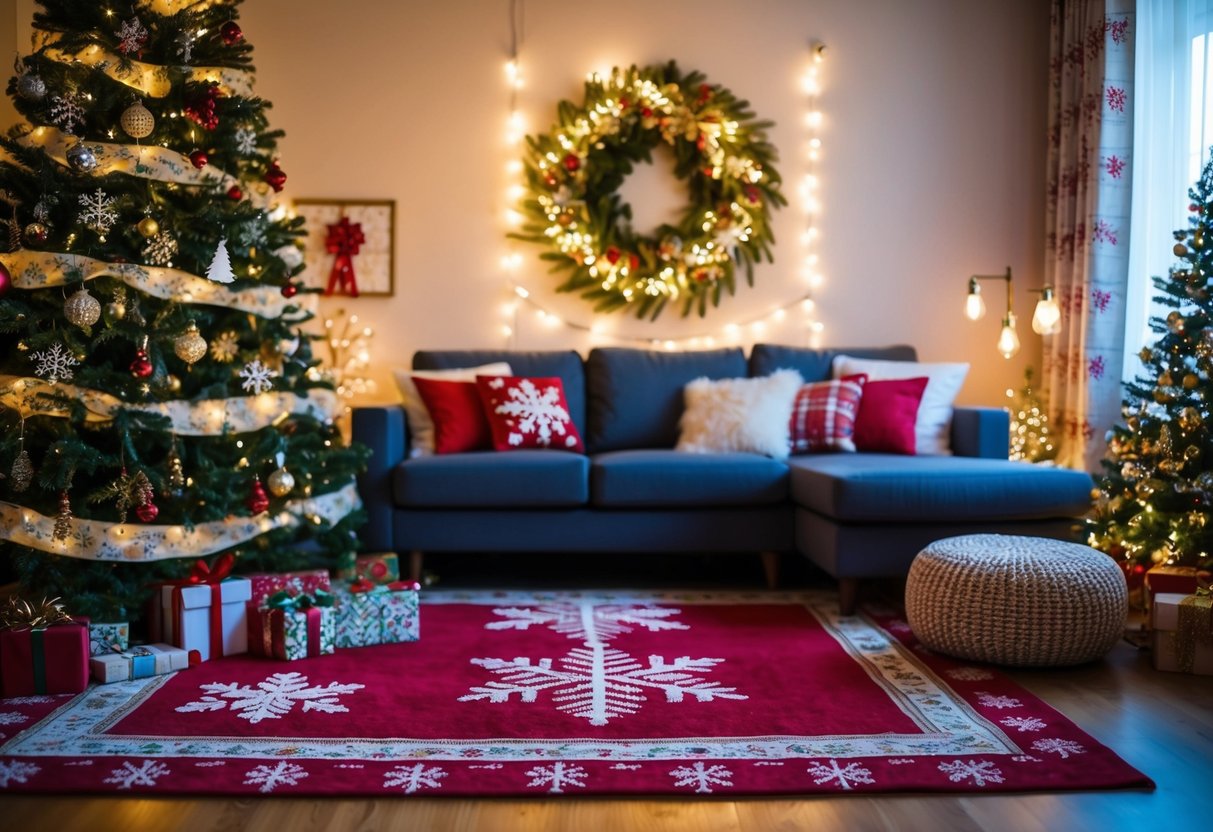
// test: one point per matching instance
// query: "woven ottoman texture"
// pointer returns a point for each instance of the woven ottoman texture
(1023, 601)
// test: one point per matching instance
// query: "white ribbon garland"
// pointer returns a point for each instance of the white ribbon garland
(153, 79)
(137, 543)
(144, 161)
(205, 417)
(41, 269)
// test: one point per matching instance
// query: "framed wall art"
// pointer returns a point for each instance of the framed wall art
(349, 246)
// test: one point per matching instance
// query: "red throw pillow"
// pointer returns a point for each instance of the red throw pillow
(528, 413)
(823, 416)
(887, 413)
(455, 410)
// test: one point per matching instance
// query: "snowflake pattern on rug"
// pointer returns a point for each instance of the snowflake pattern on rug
(702, 777)
(1024, 723)
(414, 778)
(12, 718)
(604, 622)
(989, 700)
(1063, 748)
(16, 772)
(271, 777)
(980, 772)
(273, 698)
(145, 774)
(844, 775)
(557, 776)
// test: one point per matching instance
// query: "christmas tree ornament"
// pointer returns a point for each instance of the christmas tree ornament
(54, 364)
(81, 158)
(22, 473)
(220, 269)
(281, 481)
(235, 194)
(289, 290)
(198, 159)
(148, 227)
(190, 346)
(571, 162)
(172, 383)
(137, 121)
(1189, 420)
(63, 520)
(258, 378)
(98, 212)
(1190, 381)
(184, 42)
(141, 366)
(148, 511)
(200, 105)
(31, 87)
(6, 280)
(82, 309)
(225, 347)
(258, 501)
(175, 481)
(231, 33)
(128, 492)
(160, 249)
(115, 310)
(36, 233)
(275, 177)
(132, 35)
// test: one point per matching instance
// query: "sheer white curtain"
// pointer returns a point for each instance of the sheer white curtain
(1173, 129)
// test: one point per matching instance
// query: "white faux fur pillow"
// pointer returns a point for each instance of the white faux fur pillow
(739, 414)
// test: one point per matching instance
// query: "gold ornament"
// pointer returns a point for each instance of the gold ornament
(1175, 322)
(1189, 419)
(23, 471)
(148, 227)
(1191, 380)
(63, 520)
(190, 346)
(281, 482)
(174, 383)
(82, 309)
(137, 121)
(1191, 453)
(1165, 380)
(225, 347)
(115, 310)
(1146, 355)
(1180, 249)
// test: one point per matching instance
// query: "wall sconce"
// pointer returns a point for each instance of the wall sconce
(1047, 318)
(975, 309)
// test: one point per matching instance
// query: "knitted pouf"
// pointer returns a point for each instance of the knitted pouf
(1024, 601)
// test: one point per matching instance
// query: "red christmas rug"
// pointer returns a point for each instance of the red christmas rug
(573, 694)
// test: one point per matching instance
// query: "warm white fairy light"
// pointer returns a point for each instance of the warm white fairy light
(814, 120)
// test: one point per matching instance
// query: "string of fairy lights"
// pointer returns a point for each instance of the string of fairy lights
(523, 301)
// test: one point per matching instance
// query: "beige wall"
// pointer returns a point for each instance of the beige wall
(933, 163)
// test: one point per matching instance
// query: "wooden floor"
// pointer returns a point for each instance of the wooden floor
(1161, 723)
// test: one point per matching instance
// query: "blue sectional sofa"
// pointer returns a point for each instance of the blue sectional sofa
(854, 515)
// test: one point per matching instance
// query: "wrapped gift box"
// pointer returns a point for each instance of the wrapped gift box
(378, 614)
(378, 569)
(51, 659)
(1183, 580)
(296, 583)
(196, 617)
(292, 633)
(138, 663)
(1183, 633)
(108, 637)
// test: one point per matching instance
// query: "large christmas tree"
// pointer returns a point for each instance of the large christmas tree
(1155, 501)
(159, 402)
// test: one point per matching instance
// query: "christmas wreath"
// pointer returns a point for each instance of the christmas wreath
(574, 172)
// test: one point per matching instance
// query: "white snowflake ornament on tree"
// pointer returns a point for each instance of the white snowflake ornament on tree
(131, 36)
(258, 378)
(160, 249)
(98, 214)
(246, 141)
(54, 364)
(67, 112)
(220, 269)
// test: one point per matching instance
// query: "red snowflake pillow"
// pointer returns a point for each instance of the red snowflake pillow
(823, 416)
(528, 413)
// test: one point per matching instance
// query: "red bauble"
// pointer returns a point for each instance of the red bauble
(258, 501)
(752, 194)
(141, 367)
(147, 512)
(199, 159)
(290, 290)
(612, 255)
(230, 32)
(624, 103)
(6, 280)
(275, 177)
(633, 262)
(646, 112)
(1193, 207)
(705, 92)
(235, 193)
(572, 162)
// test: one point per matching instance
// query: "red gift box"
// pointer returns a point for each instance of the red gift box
(296, 583)
(1181, 580)
(40, 660)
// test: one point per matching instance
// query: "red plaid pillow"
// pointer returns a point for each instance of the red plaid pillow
(823, 416)
(528, 413)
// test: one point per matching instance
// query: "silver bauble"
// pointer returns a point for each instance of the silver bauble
(137, 121)
(82, 309)
(31, 87)
(280, 482)
(81, 158)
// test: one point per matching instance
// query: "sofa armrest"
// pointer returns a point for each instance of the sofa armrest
(384, 430)
(981, 432)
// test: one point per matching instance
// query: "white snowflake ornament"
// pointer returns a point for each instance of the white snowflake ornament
(67, 111)
(54, 364)
(246, 141)
(160, 249)
(98, 214)
(131, 36)
(258, 378)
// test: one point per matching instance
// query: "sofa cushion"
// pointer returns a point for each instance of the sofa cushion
(487, 479)
(815, 365)
(660, 479)
(565, 364)
(635, 396)
(925, 489)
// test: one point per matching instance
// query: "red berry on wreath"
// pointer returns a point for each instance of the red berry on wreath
(705, 92)
(235, 193)
(572, 162)
(289, 290)
(198, 159)
(612, 255)
(230, 32)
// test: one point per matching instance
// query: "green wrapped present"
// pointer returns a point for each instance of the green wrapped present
(369, 613)
(293, 627)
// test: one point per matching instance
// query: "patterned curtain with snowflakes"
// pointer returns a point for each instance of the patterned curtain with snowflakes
(1089, 199)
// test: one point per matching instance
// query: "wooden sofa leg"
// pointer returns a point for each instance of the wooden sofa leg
(848, 594)
(415, 558)
(770, 568)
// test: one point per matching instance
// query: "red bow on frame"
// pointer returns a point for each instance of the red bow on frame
(343, 240)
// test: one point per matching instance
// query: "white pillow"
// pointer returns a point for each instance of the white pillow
(421, 426)
(740, 414)
(933, 427)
